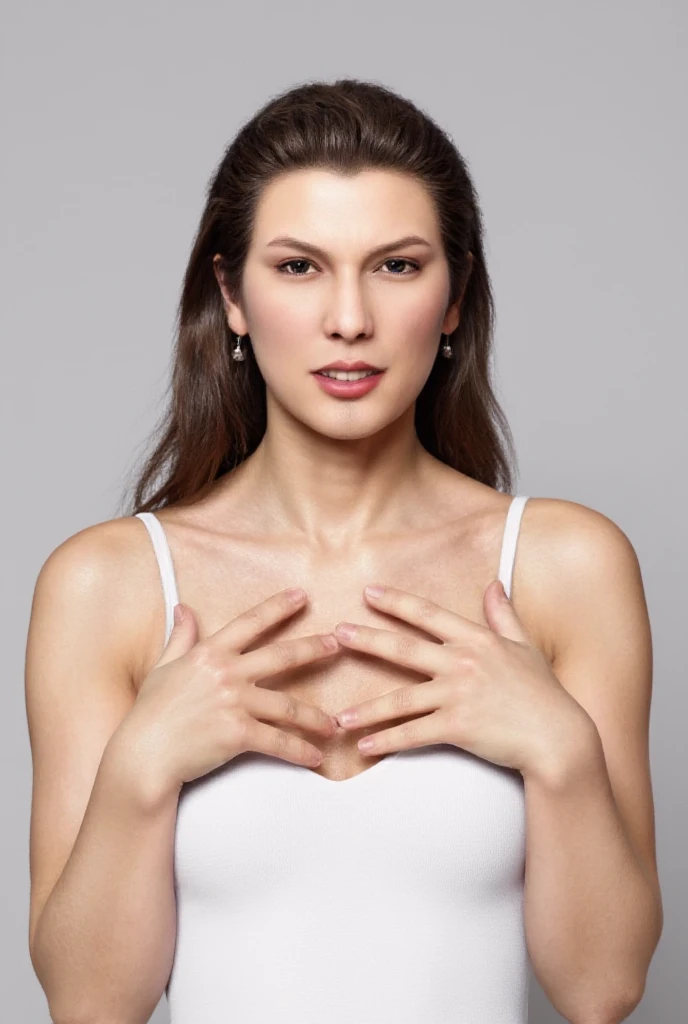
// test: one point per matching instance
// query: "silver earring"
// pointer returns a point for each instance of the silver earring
(446, 348)
(237, 352)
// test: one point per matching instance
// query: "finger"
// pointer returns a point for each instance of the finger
(405, 700)
(247, 626)
(183, 636)
(285, 708)
(422, 655)
(266, 739)
(501, 615)
(426, 614)
(419, 733)
(283, 655)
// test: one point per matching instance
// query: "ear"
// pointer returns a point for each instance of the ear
(453, 314)
(235, 317)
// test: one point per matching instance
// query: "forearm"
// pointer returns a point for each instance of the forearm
(105, 940)
(591, 915)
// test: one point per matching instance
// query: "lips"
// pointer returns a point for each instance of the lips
(341, 365)
(349, 388)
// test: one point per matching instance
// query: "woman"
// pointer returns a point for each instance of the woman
(206, 819)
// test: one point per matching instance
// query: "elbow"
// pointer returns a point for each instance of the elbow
(613, 1012)
(625, 1006)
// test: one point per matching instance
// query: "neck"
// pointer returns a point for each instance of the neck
(335, 491)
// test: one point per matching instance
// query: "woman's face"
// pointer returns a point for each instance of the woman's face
(324, 282)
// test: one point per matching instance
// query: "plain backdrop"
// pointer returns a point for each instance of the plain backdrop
(572, 117)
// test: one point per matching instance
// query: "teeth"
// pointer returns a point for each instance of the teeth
(347, 374)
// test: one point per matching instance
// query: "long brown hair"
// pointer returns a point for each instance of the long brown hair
(216, 413)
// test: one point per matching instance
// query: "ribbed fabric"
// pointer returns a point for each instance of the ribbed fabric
(392, 897)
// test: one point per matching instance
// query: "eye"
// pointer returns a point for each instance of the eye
(282, 268)
(396, 259)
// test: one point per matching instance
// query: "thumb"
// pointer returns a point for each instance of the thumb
(500, 614)
(183, 636)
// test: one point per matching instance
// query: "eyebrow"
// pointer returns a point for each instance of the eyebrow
(296, 243)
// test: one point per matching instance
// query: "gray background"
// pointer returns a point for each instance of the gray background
(571, 116)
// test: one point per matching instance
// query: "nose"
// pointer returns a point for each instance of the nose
(348, 317)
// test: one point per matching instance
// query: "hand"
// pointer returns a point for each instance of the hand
(491, 691)
(199, 707)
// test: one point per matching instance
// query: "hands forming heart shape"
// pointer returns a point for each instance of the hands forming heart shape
(491, 691)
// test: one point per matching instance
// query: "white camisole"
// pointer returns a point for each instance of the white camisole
(391, 897)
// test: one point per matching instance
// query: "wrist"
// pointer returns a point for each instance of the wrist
(133, 770)
(572, 752)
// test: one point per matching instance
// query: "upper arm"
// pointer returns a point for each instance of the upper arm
(78, 688)
(591, 602)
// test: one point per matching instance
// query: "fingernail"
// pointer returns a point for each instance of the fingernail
(347, 717)
(345, 630)
(375, 591)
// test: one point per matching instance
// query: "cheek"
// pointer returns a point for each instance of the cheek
(416, 342)
(420, 316)
(275, 308)
(275, 319)
(281, 325)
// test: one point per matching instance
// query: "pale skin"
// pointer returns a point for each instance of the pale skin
(340, 495)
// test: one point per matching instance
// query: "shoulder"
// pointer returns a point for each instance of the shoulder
(105, 578)
(575, 565)
(576, 535)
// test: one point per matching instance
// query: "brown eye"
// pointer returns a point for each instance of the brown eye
(283, 267)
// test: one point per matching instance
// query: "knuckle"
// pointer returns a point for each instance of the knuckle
(406, 645)
(465, 661)
(206, 658)
(408, 734)
(280, 742)
(402, 700)
(284, 654)
(426, 610)
(253, 617)
(232, 694)
(290, 707)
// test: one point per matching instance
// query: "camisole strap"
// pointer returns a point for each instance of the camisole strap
(165, 565)
(509, 540)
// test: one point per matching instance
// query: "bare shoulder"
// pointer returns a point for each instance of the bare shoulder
(572, 559)
(104, 580)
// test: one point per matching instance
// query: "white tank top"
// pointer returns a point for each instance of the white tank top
(391, 897)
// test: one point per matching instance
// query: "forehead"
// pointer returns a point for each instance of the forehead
(322, 204)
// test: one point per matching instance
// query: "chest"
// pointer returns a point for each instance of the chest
(221, 582)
